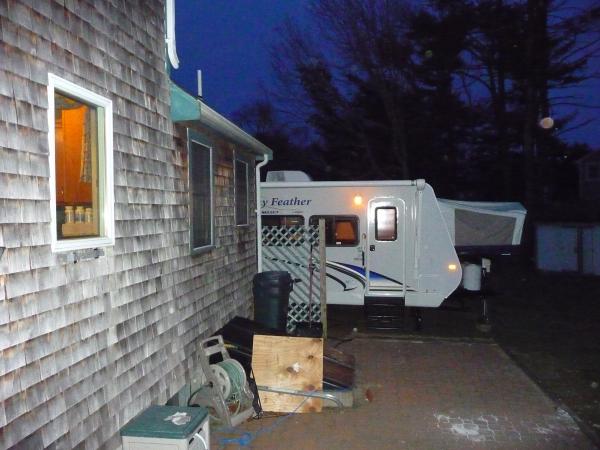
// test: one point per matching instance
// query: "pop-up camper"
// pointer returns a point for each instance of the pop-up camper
(480, 231)
(384, 238)
(484, 228)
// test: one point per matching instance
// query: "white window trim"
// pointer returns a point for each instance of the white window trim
(193, 137)
(70, 89)
(247, 222)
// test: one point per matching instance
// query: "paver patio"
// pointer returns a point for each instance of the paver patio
(429, 394)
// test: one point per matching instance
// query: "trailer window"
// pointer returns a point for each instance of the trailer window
(282, 221)
(340, 231)
(282, 230)
(386, 224)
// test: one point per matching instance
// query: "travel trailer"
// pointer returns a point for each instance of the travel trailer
(385, 239)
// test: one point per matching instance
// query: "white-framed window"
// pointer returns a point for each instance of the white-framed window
(240, 175)
(80, 140)
(200, 177)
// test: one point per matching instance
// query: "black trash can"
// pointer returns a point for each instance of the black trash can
(271, 292)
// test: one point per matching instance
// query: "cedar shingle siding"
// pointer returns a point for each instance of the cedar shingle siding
(86, 346)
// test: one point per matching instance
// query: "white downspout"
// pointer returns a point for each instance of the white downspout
(170, 34)
(258, 216)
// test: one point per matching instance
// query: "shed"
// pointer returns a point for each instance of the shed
(588, 168)
(568, 247)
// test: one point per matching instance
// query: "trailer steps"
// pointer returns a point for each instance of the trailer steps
(384, 313)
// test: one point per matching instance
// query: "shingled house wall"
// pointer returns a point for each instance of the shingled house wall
(86, 346)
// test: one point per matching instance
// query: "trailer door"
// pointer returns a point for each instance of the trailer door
(385, 255)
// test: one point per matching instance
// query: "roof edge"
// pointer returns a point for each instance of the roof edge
(217, 122)
(186, 107)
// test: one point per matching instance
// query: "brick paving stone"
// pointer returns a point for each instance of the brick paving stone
(435, 394)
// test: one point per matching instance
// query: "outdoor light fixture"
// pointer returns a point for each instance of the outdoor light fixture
(547, 122)
(358, 200)
(452, 267)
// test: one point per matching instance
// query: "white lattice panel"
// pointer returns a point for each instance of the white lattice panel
(294, 249)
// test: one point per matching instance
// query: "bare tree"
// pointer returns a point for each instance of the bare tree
(362, 43)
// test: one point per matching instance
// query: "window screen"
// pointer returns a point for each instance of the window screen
(474, 228)
(386, 224)
(340, 231)
(200, 173)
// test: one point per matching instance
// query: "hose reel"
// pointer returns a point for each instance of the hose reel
(231, 378)
(226, 392)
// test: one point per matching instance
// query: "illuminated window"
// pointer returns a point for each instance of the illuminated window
(240, 169)
(80, 143)
(385, 224)
(201, 194)
(340, 231)
(345, 231)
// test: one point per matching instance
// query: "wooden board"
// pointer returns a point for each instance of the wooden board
(291, 363)
(338, 367)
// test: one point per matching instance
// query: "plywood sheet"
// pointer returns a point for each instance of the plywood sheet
(290, 363)
(338, 367)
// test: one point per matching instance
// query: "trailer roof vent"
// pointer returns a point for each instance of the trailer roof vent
(287, 175)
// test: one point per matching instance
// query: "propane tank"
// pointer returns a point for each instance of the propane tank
(471, 280)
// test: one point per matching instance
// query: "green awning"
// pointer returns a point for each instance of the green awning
(183, 105)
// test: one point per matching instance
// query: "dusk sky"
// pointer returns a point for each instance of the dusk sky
(229, 41)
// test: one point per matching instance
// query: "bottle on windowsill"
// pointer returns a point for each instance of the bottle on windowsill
(69, 214)
(79, 214)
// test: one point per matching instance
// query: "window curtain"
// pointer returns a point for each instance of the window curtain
(88, 146)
